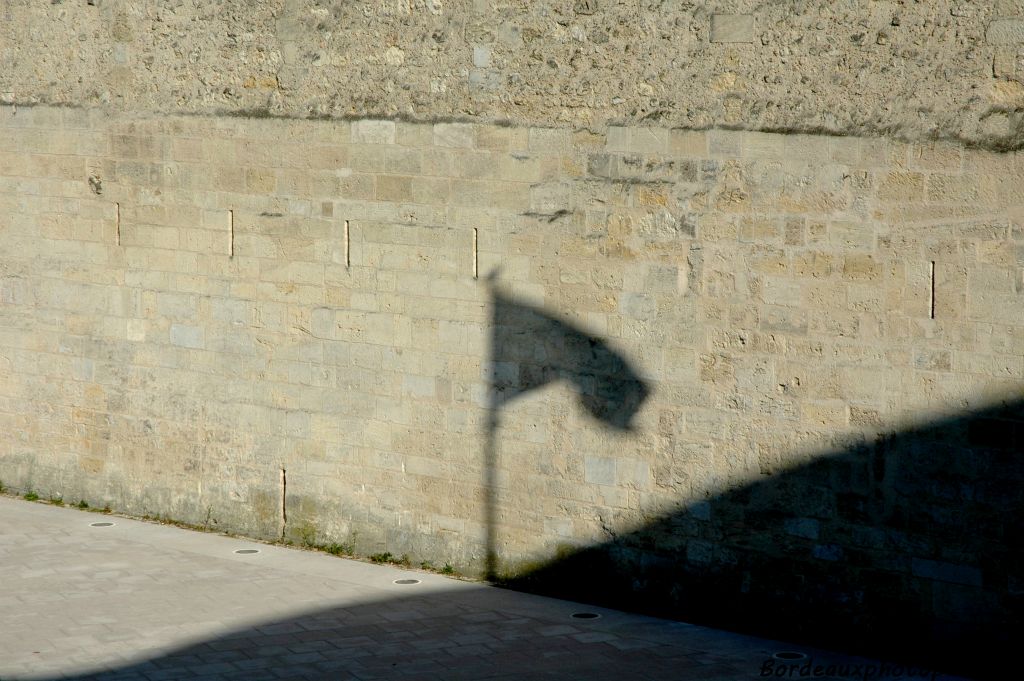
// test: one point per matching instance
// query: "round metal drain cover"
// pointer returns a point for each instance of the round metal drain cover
(584, 616)
(101, 524)
(247, 551)
(789, 655)
(407, 581)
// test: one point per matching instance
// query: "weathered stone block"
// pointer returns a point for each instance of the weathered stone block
(829, 552)
(1005, 32)
(393, 188)
(946, 572)
(186, 336)
(599, 470)
(373, 132)
(618, 139)
(725, 143)
(653, 141)
(688, 143)
(548, 141)
(459, 135)
(732, 28)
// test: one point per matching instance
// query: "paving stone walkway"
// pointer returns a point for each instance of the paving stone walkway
(139, 600)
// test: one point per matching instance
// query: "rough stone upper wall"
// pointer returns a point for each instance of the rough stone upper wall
(913, 70)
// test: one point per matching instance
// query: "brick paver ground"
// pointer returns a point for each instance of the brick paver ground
(144, 601)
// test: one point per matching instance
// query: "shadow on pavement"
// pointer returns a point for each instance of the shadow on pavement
(463, 634)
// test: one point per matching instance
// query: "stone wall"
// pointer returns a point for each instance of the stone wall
(748, 276)
(285, 327)
(914, 70)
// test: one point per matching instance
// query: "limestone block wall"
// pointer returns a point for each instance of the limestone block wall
(283, 327)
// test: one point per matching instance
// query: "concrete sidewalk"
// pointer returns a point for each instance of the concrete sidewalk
(138, 600)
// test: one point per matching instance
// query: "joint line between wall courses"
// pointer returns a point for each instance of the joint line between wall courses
(231, 233)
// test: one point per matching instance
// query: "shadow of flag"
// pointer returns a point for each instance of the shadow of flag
(530, 348)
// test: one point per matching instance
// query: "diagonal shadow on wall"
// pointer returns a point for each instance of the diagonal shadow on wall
(908, 547)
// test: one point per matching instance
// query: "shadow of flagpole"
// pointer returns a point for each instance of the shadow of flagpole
(490, 490)
(491, 443)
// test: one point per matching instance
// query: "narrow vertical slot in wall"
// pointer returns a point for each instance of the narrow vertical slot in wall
(348, 252)
(931, 290)
(284, 511)
(117, 223)
(476, 254)
(231, 233)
